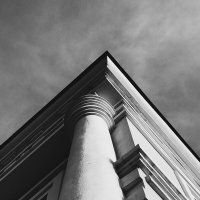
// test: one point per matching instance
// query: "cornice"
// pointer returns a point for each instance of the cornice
(129, 90)
(81, 85)
(28, 146)
(151, 133)
(49, 119)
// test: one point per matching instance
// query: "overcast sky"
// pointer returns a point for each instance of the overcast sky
(45, 44)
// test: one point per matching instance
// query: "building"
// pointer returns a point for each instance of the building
(100, 138)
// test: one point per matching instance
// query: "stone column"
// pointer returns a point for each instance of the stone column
(90, 174)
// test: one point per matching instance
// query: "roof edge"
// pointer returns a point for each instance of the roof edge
(86, 71)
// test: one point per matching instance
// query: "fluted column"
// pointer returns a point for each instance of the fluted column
(90, 174)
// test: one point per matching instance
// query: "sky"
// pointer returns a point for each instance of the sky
(45, 44)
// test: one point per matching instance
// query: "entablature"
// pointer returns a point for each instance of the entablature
(127, 169)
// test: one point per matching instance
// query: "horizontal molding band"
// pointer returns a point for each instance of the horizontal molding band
(90, 105)
(126, 189)
(151, 133)
(136, 158)
(25, 149)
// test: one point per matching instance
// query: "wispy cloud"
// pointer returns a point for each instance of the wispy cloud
(45, 44)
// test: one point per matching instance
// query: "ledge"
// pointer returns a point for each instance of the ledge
(136, 158)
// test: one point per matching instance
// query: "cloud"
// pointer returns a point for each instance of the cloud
(45, 44)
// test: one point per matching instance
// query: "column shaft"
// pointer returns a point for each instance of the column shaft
(90, 174)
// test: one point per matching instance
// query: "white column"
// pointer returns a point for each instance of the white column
(90, 174)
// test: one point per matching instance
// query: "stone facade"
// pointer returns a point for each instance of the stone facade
(100, 138)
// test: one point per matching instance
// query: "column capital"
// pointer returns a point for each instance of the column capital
(91, 104)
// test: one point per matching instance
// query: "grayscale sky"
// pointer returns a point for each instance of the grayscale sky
(45, 44)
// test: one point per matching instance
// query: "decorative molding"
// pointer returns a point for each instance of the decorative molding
(136, 158)
(91, 104)
(128, 162)
(156, 188)
(17, 155)
(51, 119)
(126, 189)
(151, 133)
(13, 148)
(88, 104)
